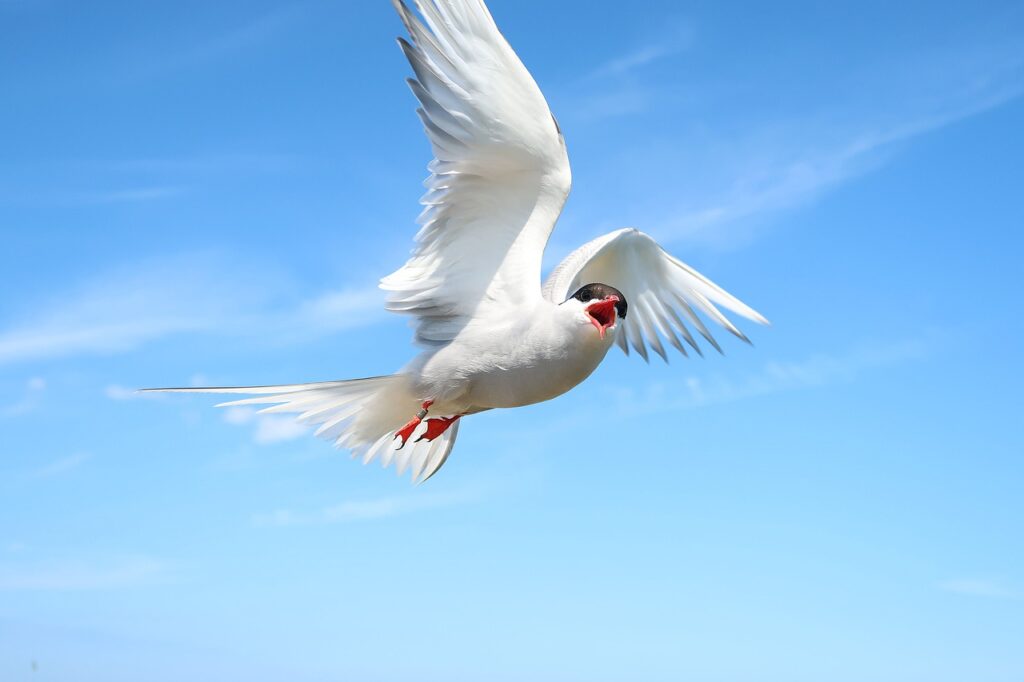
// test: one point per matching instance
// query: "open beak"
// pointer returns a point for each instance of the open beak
(602, 314)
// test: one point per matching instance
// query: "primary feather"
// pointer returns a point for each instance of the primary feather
(498, 180)
(661, 289)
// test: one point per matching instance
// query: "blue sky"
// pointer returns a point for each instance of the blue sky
(207, 193)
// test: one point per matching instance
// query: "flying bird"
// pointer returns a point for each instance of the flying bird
(492, 336)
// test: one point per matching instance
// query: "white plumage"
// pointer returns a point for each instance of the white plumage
(492, 337)
(663, 291)
(499, 177)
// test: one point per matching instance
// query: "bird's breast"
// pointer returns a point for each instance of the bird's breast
(521, 367)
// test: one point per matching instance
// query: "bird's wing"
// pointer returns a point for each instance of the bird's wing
(498, 181)
(663, 294)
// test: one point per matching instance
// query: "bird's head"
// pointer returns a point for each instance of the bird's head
(600, 305)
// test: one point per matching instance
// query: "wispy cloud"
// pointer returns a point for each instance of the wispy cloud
(789, 181)
(129, 307)
(731, 169)
(126, 196)
(268, 429)
(980, 587)
(678, 39)
(131, 571)
(774, 377)
(614, 88)
(105, 182)
(117, 312)
(113, 193)
(119, 392)
(334, 311)
(204, 51)
(61, 466)
(365, 510)
(30, 400)
(203, 164)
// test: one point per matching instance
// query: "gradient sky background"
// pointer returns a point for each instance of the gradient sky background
(195, 192)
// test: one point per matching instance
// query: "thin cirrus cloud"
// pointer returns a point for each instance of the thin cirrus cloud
(267, 429)
(126, 196)
(224, 164)
(789, 181)
(108, 182)
(80, 575)
(613, 89)
(130, 307)
(980, 587)
(119, 392)
(242, 38)
(780, 161)
(364, 510)
(124, 193)
(774, 377)
(61, 466)
(30, 400)
(679, 39)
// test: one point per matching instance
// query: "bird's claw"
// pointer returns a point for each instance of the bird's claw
(406, 431)
(435, 427)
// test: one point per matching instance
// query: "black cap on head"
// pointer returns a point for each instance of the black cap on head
(599, 292)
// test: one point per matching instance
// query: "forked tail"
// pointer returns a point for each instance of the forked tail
(361, 415)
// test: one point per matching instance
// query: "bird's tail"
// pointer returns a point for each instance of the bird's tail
(361, 415)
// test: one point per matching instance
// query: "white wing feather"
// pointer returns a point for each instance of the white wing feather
(663, 293)
(498, 181)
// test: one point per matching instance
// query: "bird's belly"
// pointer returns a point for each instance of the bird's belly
(524, 378)
(520, 386)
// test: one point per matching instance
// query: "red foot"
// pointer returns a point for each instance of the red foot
(437, 426)
(406, 431)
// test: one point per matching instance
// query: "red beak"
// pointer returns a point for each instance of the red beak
(602, 314)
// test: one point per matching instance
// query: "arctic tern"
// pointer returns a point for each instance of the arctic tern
(492, 335)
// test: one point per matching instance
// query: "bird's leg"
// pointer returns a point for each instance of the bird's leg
(437, 426)
(406, 431)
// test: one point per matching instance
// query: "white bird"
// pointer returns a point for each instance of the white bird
(492, 336)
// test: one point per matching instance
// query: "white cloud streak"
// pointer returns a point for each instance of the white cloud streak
(116, 313)
(256, 32)
(61, 466)
(788, 182)
(613, 89)
(128, 308)
(132, 571)
(134, 181)
(119, 392)
(774, 377)
(979, 587)
(679, 40)
(364, 510)
(30, 400)
(268, 428)
(126, 196)
(331, 312)
(729, 175)
(202, 165)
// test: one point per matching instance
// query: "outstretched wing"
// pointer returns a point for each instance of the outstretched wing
(663, 293)
(498, 181)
